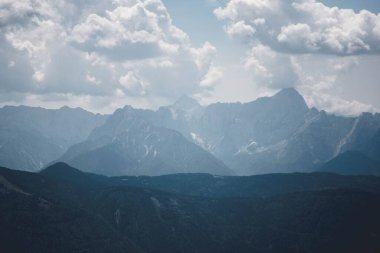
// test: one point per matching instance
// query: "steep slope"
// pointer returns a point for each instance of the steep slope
(273, 134)
(230, 129)
(268, 135)
(233, 132)
(25, 149)
(182, 116)
(372, 149)
(365, 128)
(314, 143)
(54, 212)
(127, 144)
(352, 163)
(32, 137)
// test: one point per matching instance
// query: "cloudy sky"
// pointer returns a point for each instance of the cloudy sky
(101, 55)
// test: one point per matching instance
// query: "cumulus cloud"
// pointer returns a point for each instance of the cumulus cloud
(123, 49)
(213, 76)
(271, 69)
(320, 73)
(133, 84)
(204, 56)
(240, 29)
(132, 31)
(303, 26)
(318, 79)
(304, 44)
(22, 11)
(337, 105)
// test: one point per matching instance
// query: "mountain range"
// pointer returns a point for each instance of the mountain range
(32, 137)
(268, 135)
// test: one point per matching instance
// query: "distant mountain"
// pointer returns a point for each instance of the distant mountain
(26, 149)
(64, 210)
(269, 135)
(272, 134)
(352, 163)
(32, 137)
(233, 128)
(364, 129)
(275, 134)
(316, 141)
(127, 144)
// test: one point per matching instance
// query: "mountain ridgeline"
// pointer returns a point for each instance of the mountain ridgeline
(32, 137)
(129, 145)
(268, 135)
(62, 209)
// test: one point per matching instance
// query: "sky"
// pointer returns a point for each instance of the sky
(101, 55)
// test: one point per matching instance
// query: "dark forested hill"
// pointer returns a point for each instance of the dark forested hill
(64, 210)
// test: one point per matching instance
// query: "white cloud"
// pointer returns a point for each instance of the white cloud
(320, 85)
(299, 36)
(304, 26)
(35, 41)
(140, 29)
(270, 68)
(124, 50)
(240, 29)
(203, 56)
(321, 73)
(305, 44)
(336, 105)
(213, 76)
(22, 11)
(133, 84)
(92, 79)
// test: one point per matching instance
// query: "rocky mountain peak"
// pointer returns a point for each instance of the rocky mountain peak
(186, 103)
(290, 97)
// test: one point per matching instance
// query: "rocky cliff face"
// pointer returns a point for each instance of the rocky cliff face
(128, 144)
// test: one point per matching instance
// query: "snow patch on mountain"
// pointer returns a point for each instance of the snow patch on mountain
(346, 138)
(173, 113)
(249, 148)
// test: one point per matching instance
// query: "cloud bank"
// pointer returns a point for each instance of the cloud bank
(303, 26)
(99, 50)
(101, 55)
(303, 44)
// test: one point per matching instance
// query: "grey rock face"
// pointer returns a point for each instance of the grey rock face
(271, 134)
(128, 144)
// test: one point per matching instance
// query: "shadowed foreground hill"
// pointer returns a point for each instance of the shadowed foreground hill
(64, 210)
